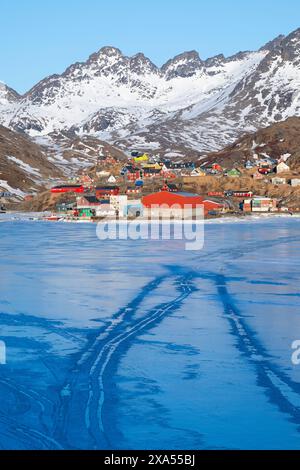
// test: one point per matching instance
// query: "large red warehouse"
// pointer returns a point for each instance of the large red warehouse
(165, 198)
(181, 199)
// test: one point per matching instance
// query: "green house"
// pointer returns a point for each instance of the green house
(87, 212)
(234, 173)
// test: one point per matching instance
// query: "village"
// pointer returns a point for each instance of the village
(132, 188)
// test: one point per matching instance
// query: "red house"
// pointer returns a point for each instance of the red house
(88, 201)
(217, 167)
(133, 176)
(106, 191)
(212, 206)
(68, 188)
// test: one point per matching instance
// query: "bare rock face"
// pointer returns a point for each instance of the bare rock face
(192, 104)
(7, 95)
(183, 66)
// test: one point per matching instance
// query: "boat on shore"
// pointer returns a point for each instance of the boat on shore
(52, 218)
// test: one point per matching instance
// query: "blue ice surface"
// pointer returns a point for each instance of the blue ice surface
(143, 345)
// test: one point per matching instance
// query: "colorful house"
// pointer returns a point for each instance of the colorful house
(106, 191)
(86, 179)
(217, 167)
(85, 212)
(263, 204)
(152, 172)
(134, 175)
(295, 182)
(142, 158)
(247, 205)
(234, 173)
(65, 207)
(105, 210)
(258, 176)
(112, 179)
(278, 181)
(249, 165)
(198, 172)
(68, 188)
(171, 187)
(87, 202)
(155, 166)
(212, 206)
(118, 204)
(133, 190)
(282, 167)
(133, 209)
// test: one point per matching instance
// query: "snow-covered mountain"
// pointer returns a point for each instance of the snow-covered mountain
(187, 106)
(7, 96)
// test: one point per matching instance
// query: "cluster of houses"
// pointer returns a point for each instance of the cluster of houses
(128, 189)
(109, 202)
(260, 204)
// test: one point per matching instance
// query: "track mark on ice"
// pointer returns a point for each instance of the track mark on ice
(280, 388)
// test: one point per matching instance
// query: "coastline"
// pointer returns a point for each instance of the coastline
(15, 216)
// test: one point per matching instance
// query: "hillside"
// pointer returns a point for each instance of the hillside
(280, 140)
(28, 165)
(23, 165)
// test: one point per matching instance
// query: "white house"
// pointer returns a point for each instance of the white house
(105, 210)
(295, 182)
(111, 179)
(282, 168)
(277, 181)
(103, 174)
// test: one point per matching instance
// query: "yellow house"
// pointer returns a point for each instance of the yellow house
(142, 158)
(198, 172)
(154, 166)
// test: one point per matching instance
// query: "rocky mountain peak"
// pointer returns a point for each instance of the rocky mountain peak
(105, 56)
(183, 65)
(141, 64)
(215, 61)
(291, 47)
(106, 51)
(7, 95)
(271, 45)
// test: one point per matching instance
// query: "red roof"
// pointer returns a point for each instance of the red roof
(212, 205)
(181, 199)
(170, 199)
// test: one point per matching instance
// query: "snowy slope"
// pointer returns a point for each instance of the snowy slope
(24, 167)
(186, 105)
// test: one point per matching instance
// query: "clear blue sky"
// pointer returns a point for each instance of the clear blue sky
(41, 37)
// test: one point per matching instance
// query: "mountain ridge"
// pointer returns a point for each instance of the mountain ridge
(186, 105)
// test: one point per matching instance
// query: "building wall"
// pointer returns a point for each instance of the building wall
(167, 198)
(168, 213)
(263, 205)
(278, 181)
